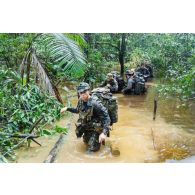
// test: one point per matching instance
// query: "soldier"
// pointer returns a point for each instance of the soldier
(94, 121)
(144, 71)
(130, 82)
(110, 83)
(150, 69)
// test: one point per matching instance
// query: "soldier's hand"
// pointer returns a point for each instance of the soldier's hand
(102, 137)
(63, 110)
(108, 85)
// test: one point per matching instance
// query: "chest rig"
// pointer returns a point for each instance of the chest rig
(85, 111)
(86, 119)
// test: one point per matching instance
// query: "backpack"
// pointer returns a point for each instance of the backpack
(139, 86)
(108, 101)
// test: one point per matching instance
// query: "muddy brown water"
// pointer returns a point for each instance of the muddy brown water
(136, 135)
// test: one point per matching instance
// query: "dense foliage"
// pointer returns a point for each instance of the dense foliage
(27, 97)
(13, 47)
(171, 55)
(46, 59)
(21, 106)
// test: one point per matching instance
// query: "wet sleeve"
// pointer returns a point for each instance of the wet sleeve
(73, 110)
(102, 113)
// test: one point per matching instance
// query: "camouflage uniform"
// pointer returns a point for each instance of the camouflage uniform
(135, 83)
(145, 72)
(130, 82)
(113, 84)
(93, 120)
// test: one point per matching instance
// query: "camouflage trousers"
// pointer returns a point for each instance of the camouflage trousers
(91, 139)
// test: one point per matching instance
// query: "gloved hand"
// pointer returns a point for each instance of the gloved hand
(102, 137)
(63, 109)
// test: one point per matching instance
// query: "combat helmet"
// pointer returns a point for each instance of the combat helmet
(82, 87)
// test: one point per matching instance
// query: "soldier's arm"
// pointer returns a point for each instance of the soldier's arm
(73, 110)
(102, 113)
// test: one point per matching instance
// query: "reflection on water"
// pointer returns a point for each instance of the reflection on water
(136, 137)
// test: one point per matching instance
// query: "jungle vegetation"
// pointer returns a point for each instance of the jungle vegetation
(33, 65)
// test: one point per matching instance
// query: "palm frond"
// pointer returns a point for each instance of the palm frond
(77, 38)
(43, 79)
(64, 51)
(24, 64)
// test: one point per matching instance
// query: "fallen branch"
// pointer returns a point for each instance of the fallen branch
(53, 153)
(30, 136)
(34, 125)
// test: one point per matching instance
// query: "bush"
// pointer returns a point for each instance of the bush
(21, 106)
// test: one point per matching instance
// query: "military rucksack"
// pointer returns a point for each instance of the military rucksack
(109, 101)
(139, 85)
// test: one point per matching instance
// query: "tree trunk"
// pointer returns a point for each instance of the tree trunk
(54, 151)
(122, 48)
(87, 37)
(28, 69)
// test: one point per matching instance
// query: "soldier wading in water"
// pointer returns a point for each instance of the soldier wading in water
(94, 121)
(110, 83)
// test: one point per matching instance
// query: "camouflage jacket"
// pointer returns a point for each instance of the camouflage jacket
(92, 112)
(144, 71)
(113, 85)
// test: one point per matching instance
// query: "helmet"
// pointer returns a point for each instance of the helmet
(82, 87)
